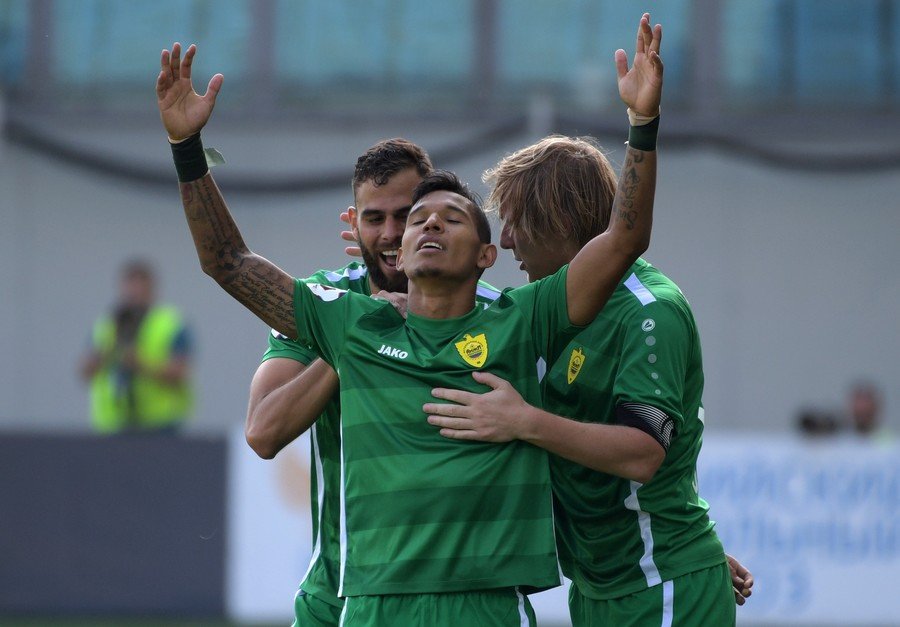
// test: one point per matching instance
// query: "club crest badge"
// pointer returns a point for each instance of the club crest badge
(473, 350)
(576, 361)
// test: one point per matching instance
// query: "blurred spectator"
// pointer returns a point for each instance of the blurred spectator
(817, 422)
(864, 410)
(137, 365)
(860, 418)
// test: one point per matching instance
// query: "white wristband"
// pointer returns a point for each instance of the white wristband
(636, 119)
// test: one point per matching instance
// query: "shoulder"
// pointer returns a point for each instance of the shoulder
(352, 277)
(486, 293)
(644, 286)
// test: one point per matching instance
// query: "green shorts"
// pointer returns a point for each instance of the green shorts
(701, 598)
(505, 607)
(311, 611)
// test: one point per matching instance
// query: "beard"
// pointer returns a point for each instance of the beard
(397, 283)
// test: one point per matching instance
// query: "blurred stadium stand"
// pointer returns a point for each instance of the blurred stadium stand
(777, 194)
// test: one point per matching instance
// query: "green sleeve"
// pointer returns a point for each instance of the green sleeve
(657, 348)
(544, 305)
(352, 277)
(284, 347)
(322, 314)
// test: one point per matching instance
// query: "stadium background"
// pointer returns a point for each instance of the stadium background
(777, 214)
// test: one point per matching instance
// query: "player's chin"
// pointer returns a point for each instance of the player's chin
(425, 271)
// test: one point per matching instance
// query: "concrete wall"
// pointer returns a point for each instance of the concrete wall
(791, 275)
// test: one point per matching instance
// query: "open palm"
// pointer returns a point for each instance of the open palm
(183, 111)
(641, 86)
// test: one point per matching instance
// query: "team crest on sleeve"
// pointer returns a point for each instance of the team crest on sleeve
(473, 350)
(576, 361)
(325, 292)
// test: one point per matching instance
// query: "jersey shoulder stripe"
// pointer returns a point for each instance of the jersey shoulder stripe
(351, 272)
(487, 292)
(640, 291)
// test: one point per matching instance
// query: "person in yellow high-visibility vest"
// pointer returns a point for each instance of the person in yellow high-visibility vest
(138, 364)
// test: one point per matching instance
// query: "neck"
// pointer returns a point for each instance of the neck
(440, 300)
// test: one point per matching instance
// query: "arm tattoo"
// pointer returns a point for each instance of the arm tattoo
(628, 187)
(254, 281)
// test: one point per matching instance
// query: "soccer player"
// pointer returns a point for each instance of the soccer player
(432, 531)
(622, 410)
(293, 390)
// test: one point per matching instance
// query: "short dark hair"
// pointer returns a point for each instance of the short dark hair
(388, 157)
(138, 268)
(446, 181)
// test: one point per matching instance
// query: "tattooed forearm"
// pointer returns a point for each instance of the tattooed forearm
(633, 204)
(254, 281)
(258, 287)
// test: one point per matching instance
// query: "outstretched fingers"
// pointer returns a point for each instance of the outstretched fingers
(621, 63)
(187, 61)
(165, 61)
(645, 34)
(656, 38)
(175, 63)
(212, 90)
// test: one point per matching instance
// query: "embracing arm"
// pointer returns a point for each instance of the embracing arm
(502, 415)
(614, 449)
(286, 397)
(257, 283)
(597, 269)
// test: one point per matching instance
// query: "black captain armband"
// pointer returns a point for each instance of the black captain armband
(190, 159)
(643, 137)
(651, 420)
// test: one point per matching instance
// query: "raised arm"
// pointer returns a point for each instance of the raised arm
(254, 281)
(597, 269)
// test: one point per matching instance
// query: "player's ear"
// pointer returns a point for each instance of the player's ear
(354, 220)
(486, 258)
(400, 259)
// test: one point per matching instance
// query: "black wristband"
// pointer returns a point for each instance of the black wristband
(190, 160)
(644, 137)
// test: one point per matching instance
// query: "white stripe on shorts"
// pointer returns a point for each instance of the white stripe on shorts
(668, 590)
(523, 615)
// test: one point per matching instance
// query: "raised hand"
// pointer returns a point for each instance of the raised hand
(183, 111)
(641, 86)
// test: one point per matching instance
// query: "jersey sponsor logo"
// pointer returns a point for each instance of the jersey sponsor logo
(325, 292)
(392, 352)
(648, 325)
(576, 361)
(473, 350)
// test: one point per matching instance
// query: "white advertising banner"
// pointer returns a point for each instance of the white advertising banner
(815, 521)
(269, 531)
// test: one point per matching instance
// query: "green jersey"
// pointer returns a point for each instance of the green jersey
(321, 578)
(616, 536)
(421, 513)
